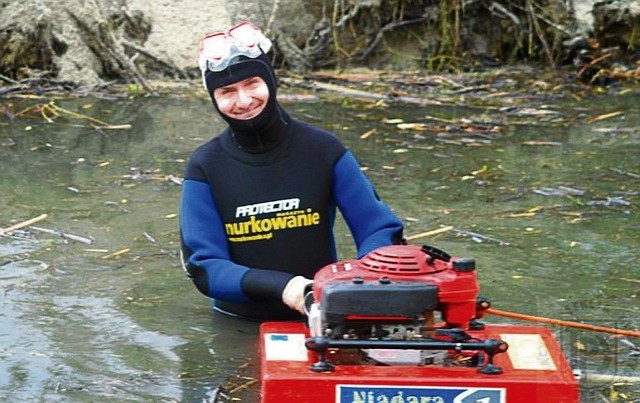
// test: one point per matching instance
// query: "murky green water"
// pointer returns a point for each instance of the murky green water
(545, 199)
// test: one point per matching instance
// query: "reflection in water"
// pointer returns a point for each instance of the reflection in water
(78, 345)
(24, 365)
(118, 320)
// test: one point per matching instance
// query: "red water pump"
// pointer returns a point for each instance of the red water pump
(401, 324)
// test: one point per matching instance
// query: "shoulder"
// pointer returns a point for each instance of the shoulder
(317, 138)
(203, 157)
(205, 150)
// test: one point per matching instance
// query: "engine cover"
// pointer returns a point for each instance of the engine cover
(396, 284)
(383, 298)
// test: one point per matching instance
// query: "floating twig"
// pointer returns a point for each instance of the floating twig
(480, 237)
(627, 173)
(249, 382)
(608, 378)
(367, 134)
(542, 143)
(609, 202)
(630, 345)
(605, 116)
(430, 233)
(50, 111)
(116, 254)
(72, 237)
(23, 224)
(559, 191)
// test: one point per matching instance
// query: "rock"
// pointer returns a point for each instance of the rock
(583, 12)
(616, 23)
(90, 42)
(178, 25)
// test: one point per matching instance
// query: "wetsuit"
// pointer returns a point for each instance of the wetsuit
(258, 208)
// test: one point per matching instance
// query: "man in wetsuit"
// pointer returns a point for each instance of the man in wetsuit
(259, 200)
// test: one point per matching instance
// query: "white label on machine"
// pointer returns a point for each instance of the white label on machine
(285, 347)
(408, 393)
(528, 351)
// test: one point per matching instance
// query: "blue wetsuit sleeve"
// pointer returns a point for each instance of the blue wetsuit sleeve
(206, 254)
(205, 246)
(370, 220)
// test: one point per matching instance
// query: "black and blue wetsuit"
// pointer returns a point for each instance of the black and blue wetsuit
(244, 212)
(258, 207)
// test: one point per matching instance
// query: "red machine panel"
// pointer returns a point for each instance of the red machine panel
(534, 369)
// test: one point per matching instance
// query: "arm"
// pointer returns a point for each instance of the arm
(371, 221)
(206, 255)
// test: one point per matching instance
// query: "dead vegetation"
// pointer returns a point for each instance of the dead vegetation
(432, 36)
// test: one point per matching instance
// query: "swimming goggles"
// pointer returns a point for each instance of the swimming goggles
(243, 39)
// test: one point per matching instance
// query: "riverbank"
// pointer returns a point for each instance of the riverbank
(135, 42)
(490, 87)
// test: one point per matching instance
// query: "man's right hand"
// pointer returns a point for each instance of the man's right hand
(293, 293)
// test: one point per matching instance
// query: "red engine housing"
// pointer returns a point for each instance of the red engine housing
(398, 281)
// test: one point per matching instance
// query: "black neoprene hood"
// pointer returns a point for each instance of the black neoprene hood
(238, 70)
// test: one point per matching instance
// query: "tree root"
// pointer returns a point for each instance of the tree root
(110, 52)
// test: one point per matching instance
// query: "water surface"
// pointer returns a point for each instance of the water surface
(545, 199)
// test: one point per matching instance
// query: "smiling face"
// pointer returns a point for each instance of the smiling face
(242, 100)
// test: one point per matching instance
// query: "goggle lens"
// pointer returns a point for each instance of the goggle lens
(212, 46)
(217, 50)
(246, 34)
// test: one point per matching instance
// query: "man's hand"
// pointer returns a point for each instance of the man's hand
(293, 294)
